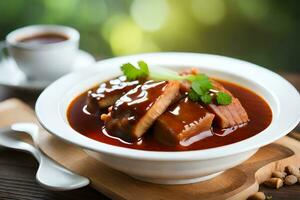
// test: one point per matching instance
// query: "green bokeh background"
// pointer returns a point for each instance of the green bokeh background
(265, 32)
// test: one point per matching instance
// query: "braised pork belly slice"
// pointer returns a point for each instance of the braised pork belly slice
(226, 116)
(109, 92)
(182, 121)
(230, 115)
(133, 114)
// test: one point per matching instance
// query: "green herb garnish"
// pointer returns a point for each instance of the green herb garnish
(133, 73)
(206, 98)
(200, 83)
(193, 96)
(201, 86)
(223, 98)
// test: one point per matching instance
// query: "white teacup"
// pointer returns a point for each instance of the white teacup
(43, 52)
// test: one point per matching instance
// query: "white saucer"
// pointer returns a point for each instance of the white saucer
(11, 76)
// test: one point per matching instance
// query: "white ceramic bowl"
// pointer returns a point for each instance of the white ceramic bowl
(173, 167)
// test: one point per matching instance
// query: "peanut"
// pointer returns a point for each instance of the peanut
(274, 183)
(257, 196)
(278, 174)
(290, 180)
(292, 170)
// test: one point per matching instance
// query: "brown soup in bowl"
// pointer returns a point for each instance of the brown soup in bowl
(86, 111)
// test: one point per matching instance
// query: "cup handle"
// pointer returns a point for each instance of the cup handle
(3, 51)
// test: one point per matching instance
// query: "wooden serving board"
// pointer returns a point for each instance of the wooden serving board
(236, 183)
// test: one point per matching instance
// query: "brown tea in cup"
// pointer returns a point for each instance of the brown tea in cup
(43, 52)
(45, 38)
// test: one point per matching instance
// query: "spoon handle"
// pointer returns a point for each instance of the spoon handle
(50, 174)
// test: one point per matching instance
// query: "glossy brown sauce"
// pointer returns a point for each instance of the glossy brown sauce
(259, 112)
(108, 92)
(138, 100)
(184, 123)
(181, 114)
(114, 86)
(131, 107)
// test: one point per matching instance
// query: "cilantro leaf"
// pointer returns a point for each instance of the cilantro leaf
(223, 98)
(144, 67)
(133, 73)
(201, 84)
(204, 81)
(206, 98)
(196, 86)
(193, 95)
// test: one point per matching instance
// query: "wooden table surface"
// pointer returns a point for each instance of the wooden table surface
(17, 169)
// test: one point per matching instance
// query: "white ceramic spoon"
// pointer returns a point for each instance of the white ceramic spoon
(50, 174)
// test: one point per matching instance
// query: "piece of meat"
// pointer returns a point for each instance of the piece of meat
(133, 114)
(185, 85)
(182, 121)
(228, 115)
(109, 92)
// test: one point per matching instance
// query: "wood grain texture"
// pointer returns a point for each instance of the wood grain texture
(17, 181)
(236, 183)
(17, 169)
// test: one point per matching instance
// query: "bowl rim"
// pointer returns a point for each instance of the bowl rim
(285, 118)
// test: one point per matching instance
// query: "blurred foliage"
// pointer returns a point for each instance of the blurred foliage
(265, 32)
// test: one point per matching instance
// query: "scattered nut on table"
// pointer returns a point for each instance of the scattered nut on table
(290, 180)
(292, 170)
(278, 174)
(257, 196)
(290, 176)
(274, 183)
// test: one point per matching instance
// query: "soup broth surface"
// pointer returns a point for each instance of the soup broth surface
(258, 110)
